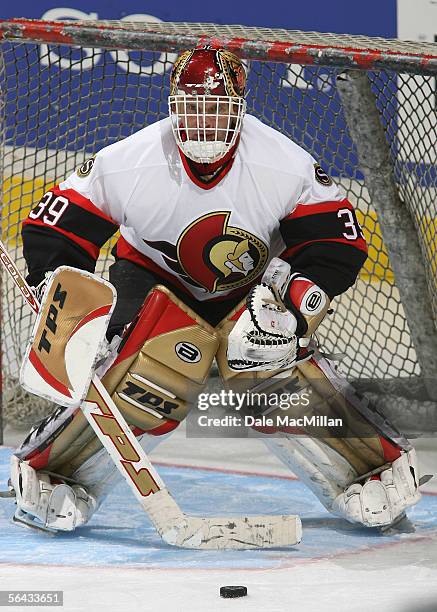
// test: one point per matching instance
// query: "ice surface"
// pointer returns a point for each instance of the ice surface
(118, 562)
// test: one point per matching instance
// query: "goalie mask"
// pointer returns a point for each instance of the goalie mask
(207, 103)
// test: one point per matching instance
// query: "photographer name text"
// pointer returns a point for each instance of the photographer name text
(280, 420)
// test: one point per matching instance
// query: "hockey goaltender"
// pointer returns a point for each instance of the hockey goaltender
(233, 244)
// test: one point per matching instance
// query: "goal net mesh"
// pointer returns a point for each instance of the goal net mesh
(61, 104)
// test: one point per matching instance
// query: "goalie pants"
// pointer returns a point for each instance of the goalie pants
(133, 283)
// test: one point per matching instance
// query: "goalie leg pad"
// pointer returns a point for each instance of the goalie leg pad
(324, 471)
(378, 475)
(339, 467)
(152, 386)
(163, 361)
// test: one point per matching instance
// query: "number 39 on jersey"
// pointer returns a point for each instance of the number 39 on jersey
(50, 208)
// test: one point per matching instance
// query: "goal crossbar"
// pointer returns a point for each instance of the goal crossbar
(274, 45)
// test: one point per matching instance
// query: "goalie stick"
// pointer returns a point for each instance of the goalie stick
(174, 526)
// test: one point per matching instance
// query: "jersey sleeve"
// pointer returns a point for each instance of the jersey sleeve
(70, 223)
(323, 238)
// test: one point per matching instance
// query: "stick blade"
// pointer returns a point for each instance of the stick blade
(235, 533)
(218, 533)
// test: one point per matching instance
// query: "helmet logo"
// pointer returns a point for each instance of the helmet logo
(208, 69)
(233, 72)
(209, 84)
(178, 67)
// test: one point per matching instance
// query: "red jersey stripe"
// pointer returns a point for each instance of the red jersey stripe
(359, 244)
(304, 210)
(74, 197)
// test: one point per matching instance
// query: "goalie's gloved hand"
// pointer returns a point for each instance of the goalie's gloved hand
(269, 335)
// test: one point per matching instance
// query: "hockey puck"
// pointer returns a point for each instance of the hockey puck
(233, 591)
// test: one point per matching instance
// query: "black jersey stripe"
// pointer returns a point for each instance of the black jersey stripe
(84, 224)
(45, 249)
(320, 226)
(334, 266)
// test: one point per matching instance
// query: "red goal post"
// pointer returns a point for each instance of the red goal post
(70, 88)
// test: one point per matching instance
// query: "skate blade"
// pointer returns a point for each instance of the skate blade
(401, 525)
(25, 520)
(10, 492)
(6, 494)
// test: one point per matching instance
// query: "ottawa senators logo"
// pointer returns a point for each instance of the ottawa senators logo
(321, 176)
(85, 169)
(213, 255)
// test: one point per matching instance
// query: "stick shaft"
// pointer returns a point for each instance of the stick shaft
(18, 279)
(115, 434)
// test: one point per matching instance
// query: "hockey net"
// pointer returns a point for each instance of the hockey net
(69, 89)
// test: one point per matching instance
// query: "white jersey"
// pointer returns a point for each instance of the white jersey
(220, 237)
(210, 239)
